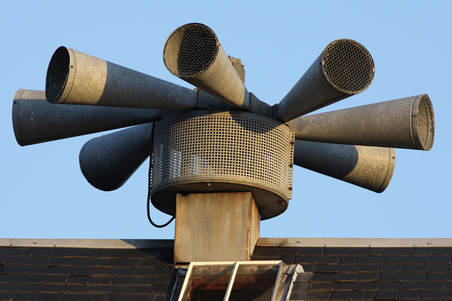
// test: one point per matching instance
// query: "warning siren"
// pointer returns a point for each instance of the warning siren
(87, 95)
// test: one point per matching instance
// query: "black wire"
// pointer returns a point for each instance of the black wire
(150, 219)
(149, 187)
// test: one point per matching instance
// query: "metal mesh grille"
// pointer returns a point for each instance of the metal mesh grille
(348, 66)
(190, 50)
(236, 147)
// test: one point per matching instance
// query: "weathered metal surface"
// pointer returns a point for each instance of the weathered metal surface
(239, 67)
(270, 204)
(108, 161)
(365, 166)
(215, 227)
(193, 53)
(223, 151)
(260, 108)
(343, 69)
(402, 123)
(77, 78)
(35, 120)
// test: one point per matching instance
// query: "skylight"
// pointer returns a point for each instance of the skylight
(239, 280)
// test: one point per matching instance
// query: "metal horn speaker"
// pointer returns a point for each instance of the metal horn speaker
(193, 53)
(77, 78)
(35, 120)
(108, 161)
(364, 166)
(343, 69)
(402, 123)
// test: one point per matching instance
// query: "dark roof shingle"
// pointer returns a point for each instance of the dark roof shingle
(148, 273)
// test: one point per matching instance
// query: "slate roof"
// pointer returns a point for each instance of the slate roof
(383, 270)
(335, 269)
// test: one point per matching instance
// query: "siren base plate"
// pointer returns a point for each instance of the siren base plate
(270, 204)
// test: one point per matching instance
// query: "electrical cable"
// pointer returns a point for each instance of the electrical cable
(150, 181)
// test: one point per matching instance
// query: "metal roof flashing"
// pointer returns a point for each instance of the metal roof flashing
(88, 243)
(355, 242)
(262, 242)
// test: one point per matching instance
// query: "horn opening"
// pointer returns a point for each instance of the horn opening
(57, 74)
(423, 122)
(344, 68)
(348, 66)
(190, 50)
(193, 53)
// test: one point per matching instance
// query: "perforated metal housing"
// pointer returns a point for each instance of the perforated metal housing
(348, 66)
(202, 151)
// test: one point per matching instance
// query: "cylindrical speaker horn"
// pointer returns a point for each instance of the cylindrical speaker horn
(108, 161)
(77, 78)
(401, 123)
(35, 120)
(193, 53)
(343, 69)
(364, 166)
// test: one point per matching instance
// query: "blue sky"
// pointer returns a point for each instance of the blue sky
(43, 194)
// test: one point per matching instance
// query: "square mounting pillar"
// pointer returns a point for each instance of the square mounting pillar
(215, 227)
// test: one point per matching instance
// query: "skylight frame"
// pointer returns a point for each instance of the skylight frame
(235, 266)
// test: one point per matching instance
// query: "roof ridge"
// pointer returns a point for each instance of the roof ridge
(355, 242)
(89, 243)
(262, 242)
